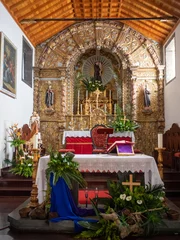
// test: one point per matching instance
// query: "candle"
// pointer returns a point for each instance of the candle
(86, 94)
(81, 109)
(35, 141)
(160, 140)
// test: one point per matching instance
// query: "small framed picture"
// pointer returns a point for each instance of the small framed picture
(8, 66)
(122, 148)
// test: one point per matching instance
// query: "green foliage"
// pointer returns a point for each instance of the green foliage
(93, 84)
(143, 207)
(64, 166)
(23, 168)
(121, 124)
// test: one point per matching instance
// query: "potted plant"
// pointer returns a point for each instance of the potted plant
(121, 123)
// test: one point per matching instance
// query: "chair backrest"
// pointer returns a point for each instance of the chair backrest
(99, 140)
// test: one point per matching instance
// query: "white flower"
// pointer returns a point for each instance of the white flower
(161, 199)
(122, 196)
(128, 198)
(139, 202)
(29, 164)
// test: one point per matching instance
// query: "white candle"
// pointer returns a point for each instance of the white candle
(160, 140)
(35, 141)
(86, 94)
(81, 109)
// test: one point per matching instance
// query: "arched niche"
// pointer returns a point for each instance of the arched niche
(121, 45)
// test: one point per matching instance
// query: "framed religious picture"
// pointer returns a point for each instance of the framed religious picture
(27, 59)
(8, 66)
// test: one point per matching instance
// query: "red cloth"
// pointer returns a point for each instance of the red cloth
(83, 145)
(91, 195)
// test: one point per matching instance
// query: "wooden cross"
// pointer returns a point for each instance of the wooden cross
(131, 183)
(124, 119)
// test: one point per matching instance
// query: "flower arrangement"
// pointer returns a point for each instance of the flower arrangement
(24, 167)
(93, 84)
(64, 166)
(22, 162)
(136, 212)
(16, 141)
(121, 123)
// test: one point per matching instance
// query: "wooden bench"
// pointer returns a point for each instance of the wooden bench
(171, 141)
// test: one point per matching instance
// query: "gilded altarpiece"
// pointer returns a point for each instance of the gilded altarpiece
(131, 62)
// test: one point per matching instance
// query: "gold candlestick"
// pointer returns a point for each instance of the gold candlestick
(160, 161)
(34, 193)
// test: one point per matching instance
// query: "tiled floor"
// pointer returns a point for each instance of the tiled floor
(8, 204)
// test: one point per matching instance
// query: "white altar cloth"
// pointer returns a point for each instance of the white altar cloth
(87, 134)
(104, 162)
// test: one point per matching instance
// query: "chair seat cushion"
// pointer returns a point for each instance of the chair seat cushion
(177, 154)
(99, 151)
(64, 150)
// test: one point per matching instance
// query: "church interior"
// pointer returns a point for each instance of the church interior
(69, 67)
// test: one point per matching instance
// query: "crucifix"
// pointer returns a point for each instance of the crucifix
(124, 119)
(131, 183)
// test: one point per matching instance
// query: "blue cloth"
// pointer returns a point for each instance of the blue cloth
(63, 203)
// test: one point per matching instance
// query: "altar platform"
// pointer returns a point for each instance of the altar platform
(168, 227)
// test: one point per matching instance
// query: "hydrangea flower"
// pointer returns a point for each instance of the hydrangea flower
(139, 202)
(128, 198)
(122, 196)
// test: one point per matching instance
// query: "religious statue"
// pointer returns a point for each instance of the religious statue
(49, 100)
(34, 124)
(147, 101)
(98, 71)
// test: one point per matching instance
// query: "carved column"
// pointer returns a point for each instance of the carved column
(161, 98)
(134, 70)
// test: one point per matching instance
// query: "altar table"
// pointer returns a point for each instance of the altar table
(81, 141)
(104, 162)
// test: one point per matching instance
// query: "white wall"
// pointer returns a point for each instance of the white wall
(172, 89)
(20, 109)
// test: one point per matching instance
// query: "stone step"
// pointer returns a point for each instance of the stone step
(15, 182)
(172, 184)
(15, 191)
(171, 174)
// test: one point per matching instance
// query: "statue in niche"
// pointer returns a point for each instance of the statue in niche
(147, 101)
(49, 99)
(98, 71)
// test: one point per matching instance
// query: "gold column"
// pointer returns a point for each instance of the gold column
(160, 161)
(34, 193)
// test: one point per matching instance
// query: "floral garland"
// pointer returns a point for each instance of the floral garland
(92, 85)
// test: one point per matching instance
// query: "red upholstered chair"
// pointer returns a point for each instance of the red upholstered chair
(99, 141)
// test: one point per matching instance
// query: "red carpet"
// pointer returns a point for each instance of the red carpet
(91, 194)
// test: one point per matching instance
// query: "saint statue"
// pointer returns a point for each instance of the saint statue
(98, 71)
(147, 101)
(49, 100)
